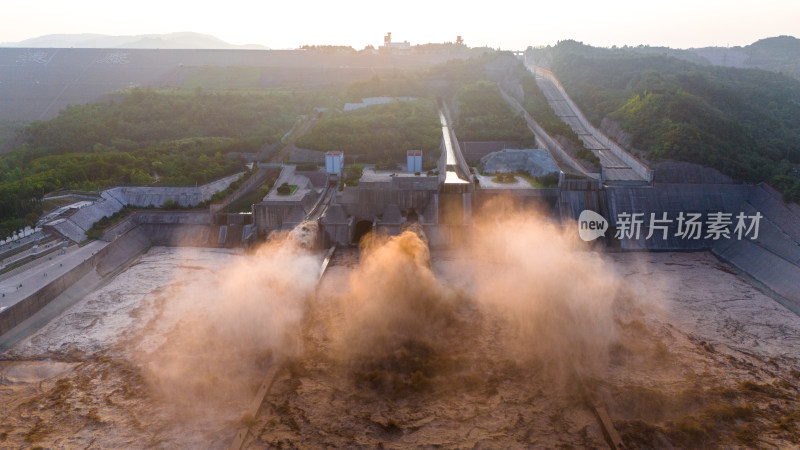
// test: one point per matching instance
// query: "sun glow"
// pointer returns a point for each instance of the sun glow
(505, 24)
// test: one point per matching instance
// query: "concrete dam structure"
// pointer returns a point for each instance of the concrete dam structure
(86, 268)
(382, 200)
(113, 200)
(444, 203)
(121, 315)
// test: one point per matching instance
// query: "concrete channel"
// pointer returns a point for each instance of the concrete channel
(51, 286)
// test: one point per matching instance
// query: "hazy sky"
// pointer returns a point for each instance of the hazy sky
(497, 23)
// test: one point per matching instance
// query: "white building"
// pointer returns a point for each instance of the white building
(387, 43)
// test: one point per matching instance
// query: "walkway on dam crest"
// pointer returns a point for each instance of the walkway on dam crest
(26, 280)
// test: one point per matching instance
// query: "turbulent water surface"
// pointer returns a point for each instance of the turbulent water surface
(478, 347)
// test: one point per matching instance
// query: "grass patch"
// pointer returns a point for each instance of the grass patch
(505, 178)
(96, 232)
(545, 181)
(352, 175)
(589, 156)
(286, 189)
(244, 203)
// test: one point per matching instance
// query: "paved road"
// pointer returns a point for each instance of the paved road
(304, 128)
(18, 284)
(613, 166)
(8, 248)
(24, 254)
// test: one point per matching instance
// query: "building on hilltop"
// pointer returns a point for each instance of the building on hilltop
(387, 43)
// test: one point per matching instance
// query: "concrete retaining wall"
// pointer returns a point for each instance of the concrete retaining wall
(23, 309)
(113, 200)
(776, 273)
(440, 236)
(573, 202)
(774, 257)
(143, 197)
(254, 182)
(175, 235)
(150, 228)
(121, 251)
(366, 203)
(673, 199)
(337, 233)
(156, 197)
(86, 217)
(68, 229)
(172, 217)
(370, 198)
(106, 259)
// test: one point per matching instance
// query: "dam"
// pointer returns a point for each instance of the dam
(204, 346)
(254, 341)
(443, 202)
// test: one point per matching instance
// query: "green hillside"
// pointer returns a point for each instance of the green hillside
(142, 137)
(483, 115)
(743, 122)
(378, 133)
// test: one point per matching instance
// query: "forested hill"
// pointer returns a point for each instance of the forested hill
(777, 54)
(142, 137)
(744, 122)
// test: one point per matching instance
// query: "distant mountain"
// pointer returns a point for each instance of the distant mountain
(776, 54)
(185, 40)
